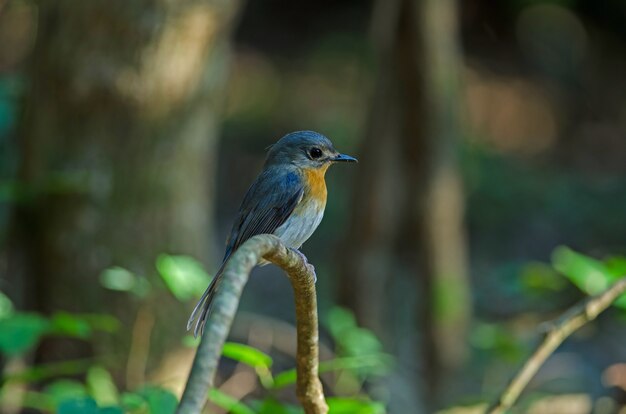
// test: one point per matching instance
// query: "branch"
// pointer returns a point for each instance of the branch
(570, 321)
(302, 277)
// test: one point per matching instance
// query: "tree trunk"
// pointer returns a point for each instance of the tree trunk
(408, 219)
(118, 148)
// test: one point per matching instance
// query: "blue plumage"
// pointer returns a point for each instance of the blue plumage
(287, 199)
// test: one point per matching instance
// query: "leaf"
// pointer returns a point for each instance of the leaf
(68, 324)
(621, 302)
(190, 341)
(359, 341)
(271, 406)
(160, 401)
(85, 405)
(101, 386)
(495, 339)
(339, 320)
(616, 265)
(183, 276)
(351, 340)
(118, 278)
(6, 306)
(78, 406)
(133, 402)
(21, 332)
(338, 405)
(101, 322)
(285, 378)
(62, 390)
(228, 403)
(49, 370)
(590, 275)
(247, 355)
(111, 410)
(123, 280)
(37, 401)
(372, 364)
(82, 325)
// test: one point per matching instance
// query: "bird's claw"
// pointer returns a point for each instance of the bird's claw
(309, 266)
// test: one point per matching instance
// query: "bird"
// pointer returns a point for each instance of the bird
(287, 199)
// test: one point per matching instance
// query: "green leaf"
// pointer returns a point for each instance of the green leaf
(271, 406)
(78, 406)
(285, 378)
(496, 339)
(351, 340)
(590, 275)
(21, 332)
(371, 364)
(68, 324)
(37, 401)
(247, 355)
(160, 401)
(101, 322)
(6, 306)
(620, 302)
(183, 276)
(123, 280)
(228, 403)
(111, 410)
(616, 266)
(49, 370)
(134, 402)
(374, 364)
(190, 341)
(359, 341)
(101, 386)
(339, 320)
(353, 406)
(118, 278)
(62, 390)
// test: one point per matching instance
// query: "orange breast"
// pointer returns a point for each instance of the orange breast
(315, 183)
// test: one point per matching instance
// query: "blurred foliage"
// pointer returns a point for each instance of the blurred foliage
(184, 276)
(315, 70)
(590, 275)
(359, 356)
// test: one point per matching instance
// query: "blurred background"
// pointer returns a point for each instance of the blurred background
(490, 196)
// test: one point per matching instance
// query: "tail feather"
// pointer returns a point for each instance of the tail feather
(203, 307)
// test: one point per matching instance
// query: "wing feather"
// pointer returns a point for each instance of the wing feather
(266, 206)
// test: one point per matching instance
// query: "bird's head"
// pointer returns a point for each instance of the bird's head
(305, 149)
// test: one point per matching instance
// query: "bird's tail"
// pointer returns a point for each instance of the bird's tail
(203, 307)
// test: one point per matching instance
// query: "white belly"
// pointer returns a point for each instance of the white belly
(300, 225)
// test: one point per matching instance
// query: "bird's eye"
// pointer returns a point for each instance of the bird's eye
(315, 152)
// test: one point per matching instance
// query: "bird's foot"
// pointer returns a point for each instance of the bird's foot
(306, 263)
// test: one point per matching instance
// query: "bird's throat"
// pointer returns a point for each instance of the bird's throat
(315, 183)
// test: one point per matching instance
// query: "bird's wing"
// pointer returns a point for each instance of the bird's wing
(268, 203)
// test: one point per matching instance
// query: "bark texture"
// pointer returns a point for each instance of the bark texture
(117, 141)
(302, 276)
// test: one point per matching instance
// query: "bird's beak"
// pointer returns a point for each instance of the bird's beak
(344, 158)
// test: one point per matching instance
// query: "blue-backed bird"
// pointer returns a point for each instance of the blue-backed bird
(287, 200)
